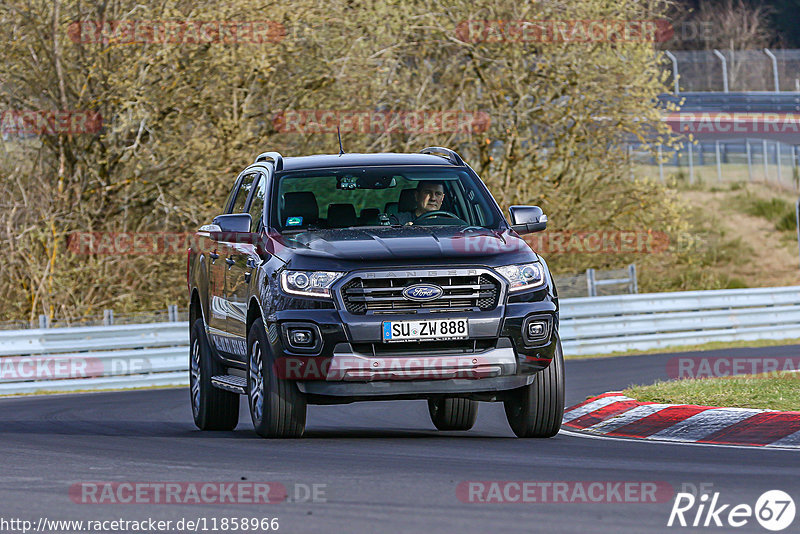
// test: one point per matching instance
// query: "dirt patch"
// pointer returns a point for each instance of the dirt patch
(774, 254)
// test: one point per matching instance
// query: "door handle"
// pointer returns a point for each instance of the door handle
(230, 261)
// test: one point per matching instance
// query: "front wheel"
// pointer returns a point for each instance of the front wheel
(536, 410)
(277, 407)
(212, 408)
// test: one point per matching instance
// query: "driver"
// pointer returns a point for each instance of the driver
(428, 197)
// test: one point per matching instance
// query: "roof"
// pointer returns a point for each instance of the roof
(357, 160)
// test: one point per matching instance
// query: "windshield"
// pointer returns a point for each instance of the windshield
(381, 196)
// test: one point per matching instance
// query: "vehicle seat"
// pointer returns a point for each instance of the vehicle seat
(300, 204)
(407, 202)
(369, 216)
(341, 216)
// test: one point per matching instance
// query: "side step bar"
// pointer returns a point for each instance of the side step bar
(234, 384)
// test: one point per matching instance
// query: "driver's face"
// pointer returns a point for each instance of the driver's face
(429, 198)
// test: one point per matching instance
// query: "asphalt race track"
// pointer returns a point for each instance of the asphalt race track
(383, 466)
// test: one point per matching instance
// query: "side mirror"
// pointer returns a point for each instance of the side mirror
(235, 223)
(527, 219)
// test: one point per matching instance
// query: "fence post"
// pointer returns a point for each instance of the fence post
(719, 164)
(634, 286)
(797, 221)
(590, 282)
(44, 321)
(774, 69)
(674, 60)
(108, 317)
(749, 160)
(691, 163)
(660, 165)
(764, 157)
(724, 69)
(172, 312)
(778, 158)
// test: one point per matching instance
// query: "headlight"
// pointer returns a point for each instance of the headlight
(309, 283)
(525, 276)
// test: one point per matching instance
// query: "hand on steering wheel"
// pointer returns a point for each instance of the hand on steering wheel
(438, 213)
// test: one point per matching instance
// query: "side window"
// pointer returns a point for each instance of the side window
(243, 193)
(230, 197)
(257, 204)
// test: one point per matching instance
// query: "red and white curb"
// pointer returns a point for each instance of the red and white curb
(613, 414)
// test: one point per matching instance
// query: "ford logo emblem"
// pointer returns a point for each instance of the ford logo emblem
(422, 292)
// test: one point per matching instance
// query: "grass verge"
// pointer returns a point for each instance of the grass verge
(773, 392)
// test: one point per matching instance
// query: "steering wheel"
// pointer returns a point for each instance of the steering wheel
(438, 213)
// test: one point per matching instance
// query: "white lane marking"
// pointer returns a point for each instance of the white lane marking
(705, 423)
(592, 406)
(630, 416)
(792, 440)
(650, 440)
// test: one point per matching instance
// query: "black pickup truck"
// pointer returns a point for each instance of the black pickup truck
(339, 278)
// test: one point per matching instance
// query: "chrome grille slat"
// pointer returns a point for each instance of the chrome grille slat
(473, 292)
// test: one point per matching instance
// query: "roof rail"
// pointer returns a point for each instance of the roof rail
(446, 153)
(274, 157)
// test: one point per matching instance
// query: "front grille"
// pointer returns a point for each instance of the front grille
(477, 292)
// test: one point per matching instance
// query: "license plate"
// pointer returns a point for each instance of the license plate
(430, 330)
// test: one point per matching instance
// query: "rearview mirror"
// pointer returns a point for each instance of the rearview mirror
(236, 223)
(527, 219)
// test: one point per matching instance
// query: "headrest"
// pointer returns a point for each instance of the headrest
(341, 215)
(300, 204)
(407, 201)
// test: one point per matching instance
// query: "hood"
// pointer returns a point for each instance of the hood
(429, 243)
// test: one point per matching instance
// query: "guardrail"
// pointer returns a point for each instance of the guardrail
(146, 355)
(661, 320)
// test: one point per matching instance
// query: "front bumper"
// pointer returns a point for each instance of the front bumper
(351, 359)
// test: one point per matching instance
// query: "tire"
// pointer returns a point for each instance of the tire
(453, 413)
(212, 408)
(277, 407)
(536, 410)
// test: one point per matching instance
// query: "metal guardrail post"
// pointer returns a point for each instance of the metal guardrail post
(660, 164)
(797, 221)
(590, 283)
(764, 157)
(172, 312)
(674, 60)
(634, 286)
(108, 317)
(778, 158)
(719, 164)
(724, 69)
(691, 163)
(749, 160)
(774, 69)
(44, 321)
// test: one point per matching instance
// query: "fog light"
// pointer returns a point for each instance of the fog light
(536, 329)
(301, 337)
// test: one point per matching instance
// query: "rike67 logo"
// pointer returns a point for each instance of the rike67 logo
(774, 510)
